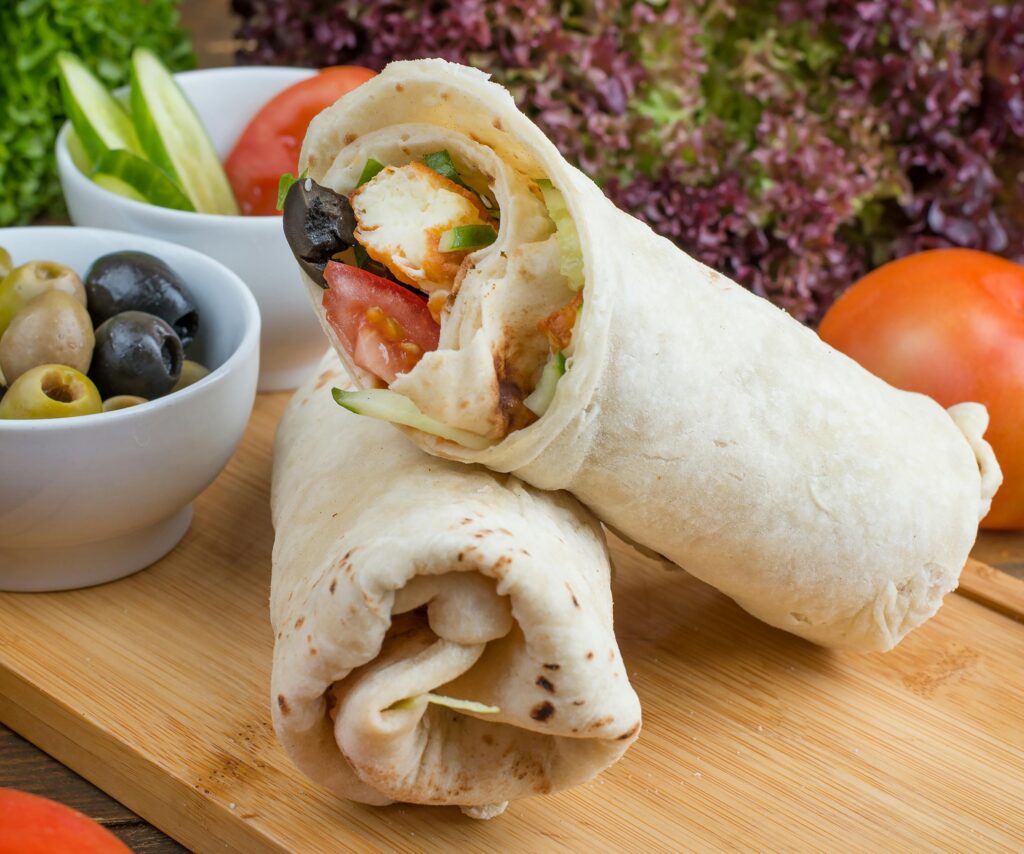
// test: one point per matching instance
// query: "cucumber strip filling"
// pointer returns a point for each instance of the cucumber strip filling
(388, 405)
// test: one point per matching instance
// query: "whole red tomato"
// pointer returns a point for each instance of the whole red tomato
(33, 825)
(269, 146)
(948, 323)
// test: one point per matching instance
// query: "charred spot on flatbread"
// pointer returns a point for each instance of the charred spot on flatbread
(542, 712)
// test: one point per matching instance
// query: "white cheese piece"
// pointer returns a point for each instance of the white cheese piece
(402, 213)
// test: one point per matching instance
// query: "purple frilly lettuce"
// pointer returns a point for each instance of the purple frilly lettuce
(792, 144)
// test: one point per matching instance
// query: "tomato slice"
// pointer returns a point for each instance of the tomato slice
(384, 327)
(269, 146)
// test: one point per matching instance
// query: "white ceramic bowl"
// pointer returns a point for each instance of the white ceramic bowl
(253, 246)
(90, 499)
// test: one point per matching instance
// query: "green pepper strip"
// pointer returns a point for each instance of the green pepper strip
(370, 170)
(441, 162)
(284, 184)
(464, 237)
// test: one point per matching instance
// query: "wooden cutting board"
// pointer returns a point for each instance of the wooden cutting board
(156, 688)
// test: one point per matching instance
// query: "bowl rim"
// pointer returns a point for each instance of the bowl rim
(249, 342)
(69, 167)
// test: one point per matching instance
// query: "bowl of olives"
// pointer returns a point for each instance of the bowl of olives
(254, 247)
(128, 369)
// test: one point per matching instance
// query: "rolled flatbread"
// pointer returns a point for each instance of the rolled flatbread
(692, 416)
(401, 582)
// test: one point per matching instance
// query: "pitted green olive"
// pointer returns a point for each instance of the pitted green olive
(191, 372)
(50, 391)
(122, 401)
(53, 329)
(23, 284)
(6, 265)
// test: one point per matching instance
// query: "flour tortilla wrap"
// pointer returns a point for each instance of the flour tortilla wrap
(694, 417)
(518, 616)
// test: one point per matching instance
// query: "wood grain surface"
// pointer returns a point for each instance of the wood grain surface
(994, 588)
(156, 688)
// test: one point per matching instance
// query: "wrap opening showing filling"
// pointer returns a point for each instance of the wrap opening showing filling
(460, 269)
(443, 634)
(504, 312)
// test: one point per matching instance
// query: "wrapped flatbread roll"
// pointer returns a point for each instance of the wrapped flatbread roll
(443, 634)
(574, 347)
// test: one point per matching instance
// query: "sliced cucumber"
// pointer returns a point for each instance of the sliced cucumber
(128, 175)
(571, 262)
(100, 122)
(464, 237)
(79, 156)
(540, 398)
(117, 186)
(450, 702)
(391, 406)
(174, 138)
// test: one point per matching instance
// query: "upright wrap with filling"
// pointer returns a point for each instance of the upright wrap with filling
(693, 417)
(399, 580)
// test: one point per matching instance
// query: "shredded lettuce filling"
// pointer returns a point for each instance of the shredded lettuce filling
(571, 265)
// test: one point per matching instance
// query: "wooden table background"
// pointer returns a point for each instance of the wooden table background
(25, 767)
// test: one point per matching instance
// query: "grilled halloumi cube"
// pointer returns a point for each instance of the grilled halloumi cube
(400, 216)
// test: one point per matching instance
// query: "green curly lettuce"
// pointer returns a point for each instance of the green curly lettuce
(32, 33)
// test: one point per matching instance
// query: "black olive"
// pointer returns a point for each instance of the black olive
(137, 281)
(318, 224)
(136, 353)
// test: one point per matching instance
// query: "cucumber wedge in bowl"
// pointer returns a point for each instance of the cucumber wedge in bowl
(101, 123)
(131, 176)
(173, 137)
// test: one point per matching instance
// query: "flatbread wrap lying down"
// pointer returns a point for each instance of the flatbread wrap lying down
(443, 633)
(495, 304)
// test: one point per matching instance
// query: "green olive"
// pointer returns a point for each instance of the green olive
(51, 391)
(5, 262)
(23, 284)
(191, 372)
(122, 401)
(53, 329)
